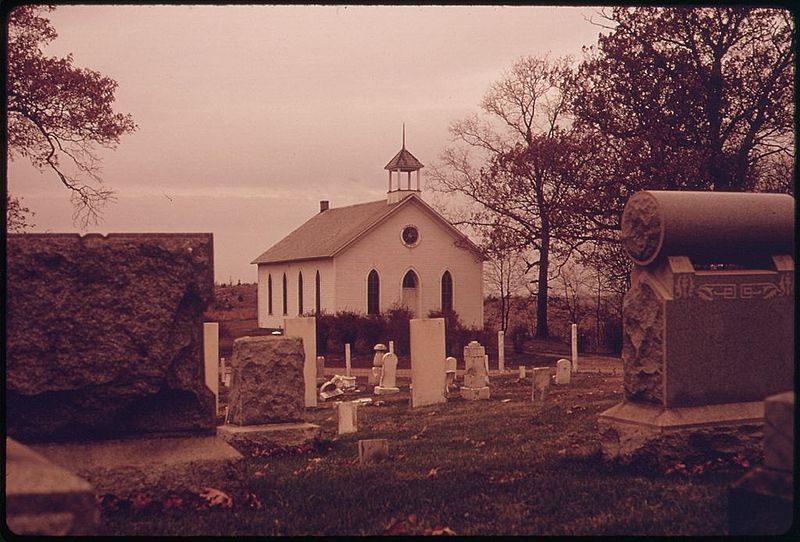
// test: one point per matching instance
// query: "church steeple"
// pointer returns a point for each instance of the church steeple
(403, 162)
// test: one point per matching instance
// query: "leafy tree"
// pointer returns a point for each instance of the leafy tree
(530, 165)
(691, 98)
(57, 112)
(17, 215)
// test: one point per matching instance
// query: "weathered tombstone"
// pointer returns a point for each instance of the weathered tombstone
(522, 372)
(574, 336)
(347, 370)
(267, 396)
(372, 450)
(391, 347)
(104, 335)
(450, 365)
(42, 498)
(388, 382)
(211, 356)
(708, 322)
(486, 364)
(501, 350)
(563, 371)
(377, 362)
(347, 413)
(427, 361)
(268, 384)
(320, 369)
(305, 328)
(222, 370)
(476, 372)
(540, 384)
(762, 501)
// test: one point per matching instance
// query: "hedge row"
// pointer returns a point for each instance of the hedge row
(363, 332)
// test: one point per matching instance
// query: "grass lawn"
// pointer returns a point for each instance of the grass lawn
(493, 467)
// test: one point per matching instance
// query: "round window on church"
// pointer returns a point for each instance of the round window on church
(410, 236)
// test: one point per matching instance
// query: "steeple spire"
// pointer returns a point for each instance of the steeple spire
(404, 135)
(404, 163)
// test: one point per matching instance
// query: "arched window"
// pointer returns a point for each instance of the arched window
(447, 292)
(299, 293)
(285, 299)
(373, 292)
(410, 280)
(269, 293)
(317, 305)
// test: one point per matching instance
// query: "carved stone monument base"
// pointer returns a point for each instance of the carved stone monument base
(246, 437)
(380, 390)
(473, 394)
(631, 432)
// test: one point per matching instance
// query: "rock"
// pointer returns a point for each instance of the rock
(267, 384)
(642, 344)
(105, 334)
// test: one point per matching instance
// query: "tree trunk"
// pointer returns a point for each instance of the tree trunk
(541, 297)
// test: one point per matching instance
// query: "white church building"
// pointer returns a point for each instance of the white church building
(369, 257)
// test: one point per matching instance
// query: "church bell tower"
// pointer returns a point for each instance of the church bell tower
(403, 163)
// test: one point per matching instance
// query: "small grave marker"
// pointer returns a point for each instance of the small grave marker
(372, 450)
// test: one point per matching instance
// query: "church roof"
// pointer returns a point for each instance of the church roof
(404, 161)
(330, 231)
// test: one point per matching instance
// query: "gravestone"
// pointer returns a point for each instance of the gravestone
(377, 362)
(486, 365)
(450, 365)
(540, 384)
(388, 381)
(574, 337)
(347, 369)
(501, 350)
(267, 384)
(347, 413)
(427, 361)
(320, 370)
(211, 356)
(42, 498)
(708, 323)
(104, 335)
(762, 501)
(305, 328)
(476, 374)
(522, 372)
(372, 450)
(563, 372)
(267, 396)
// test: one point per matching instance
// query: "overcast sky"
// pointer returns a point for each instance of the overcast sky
(249, 115)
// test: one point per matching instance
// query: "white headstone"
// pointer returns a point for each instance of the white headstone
(450, 365)
(427, 361)
(211, 356)
(574, 328)
(222, 370)
(388, 381)
(521, 372)
(347, 413)
(563, 371)
(347, 359)
(540, 385)
(476, 375)
(306, 328)
(391, 347)
(501, 350)
(320, 369)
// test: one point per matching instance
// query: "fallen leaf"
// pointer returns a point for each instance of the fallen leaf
(433, 473)
(505, 401)
(140, 500)
(252, 500)
(172, 501)
(215, 497)
(443, 531)
(412, 518)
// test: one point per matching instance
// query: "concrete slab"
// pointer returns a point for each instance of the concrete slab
(124, 467)
(43, 498)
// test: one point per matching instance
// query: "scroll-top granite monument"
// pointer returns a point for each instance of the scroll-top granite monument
(708, 322)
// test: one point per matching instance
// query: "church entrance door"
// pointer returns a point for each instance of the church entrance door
(411, 293)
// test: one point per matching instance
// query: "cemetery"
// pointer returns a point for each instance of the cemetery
(171, 439)
(575, 318)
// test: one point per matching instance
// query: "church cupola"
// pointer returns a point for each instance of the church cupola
(403, 162)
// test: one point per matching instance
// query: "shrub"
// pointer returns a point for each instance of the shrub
(612, 334)
(519, 335)
(397, 318)
(324, 322)
(371, 330)
(344, 328)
